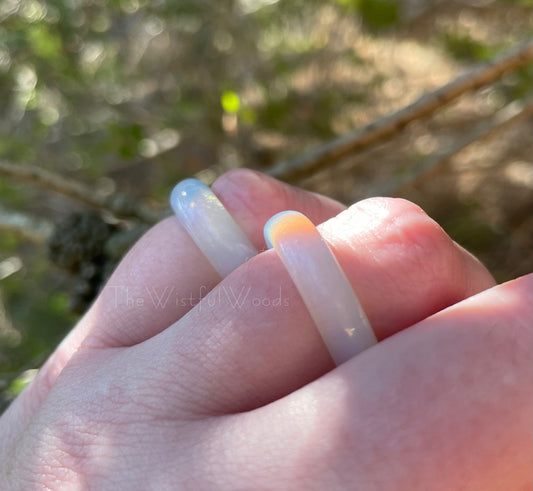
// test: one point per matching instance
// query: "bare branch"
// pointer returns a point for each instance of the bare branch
(393, 123)
(118, 204)
(504, 119)
(28, 227)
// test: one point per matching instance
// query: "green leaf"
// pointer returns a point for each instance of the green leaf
(18, 385)
(44, 44)
(375, 13)
(379, 13)
(467, 49)
(230, 102)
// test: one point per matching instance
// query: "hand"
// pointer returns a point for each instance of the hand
(153, 390)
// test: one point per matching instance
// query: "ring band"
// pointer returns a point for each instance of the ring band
(210, 226)
(322, 284)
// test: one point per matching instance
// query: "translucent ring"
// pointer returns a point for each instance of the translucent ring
(322, 284)
(210, 226)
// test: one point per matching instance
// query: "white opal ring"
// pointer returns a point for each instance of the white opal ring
(322, 284)
(210, 226)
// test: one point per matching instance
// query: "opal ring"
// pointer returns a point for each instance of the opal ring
(322, 284)
(210, 226)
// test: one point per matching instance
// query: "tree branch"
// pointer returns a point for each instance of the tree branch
(393, 123)
(118, 204)
(503, 120)
(28, 227)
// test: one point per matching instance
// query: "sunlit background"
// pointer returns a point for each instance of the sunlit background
(127, 97)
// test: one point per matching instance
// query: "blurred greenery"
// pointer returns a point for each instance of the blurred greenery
(136, 94)
(465, 48)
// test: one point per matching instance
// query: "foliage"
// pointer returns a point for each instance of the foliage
(375, 13)
(467, 49)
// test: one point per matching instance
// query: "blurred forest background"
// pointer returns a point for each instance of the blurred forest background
(106, 104)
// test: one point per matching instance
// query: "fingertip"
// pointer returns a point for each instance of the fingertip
(250, 195)
(249, 185)
(256, 197)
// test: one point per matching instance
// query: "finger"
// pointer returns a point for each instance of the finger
(253, 197)
(445, 404)
(164, 275)
(252, 340)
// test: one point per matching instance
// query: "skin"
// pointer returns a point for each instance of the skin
(212, 395)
